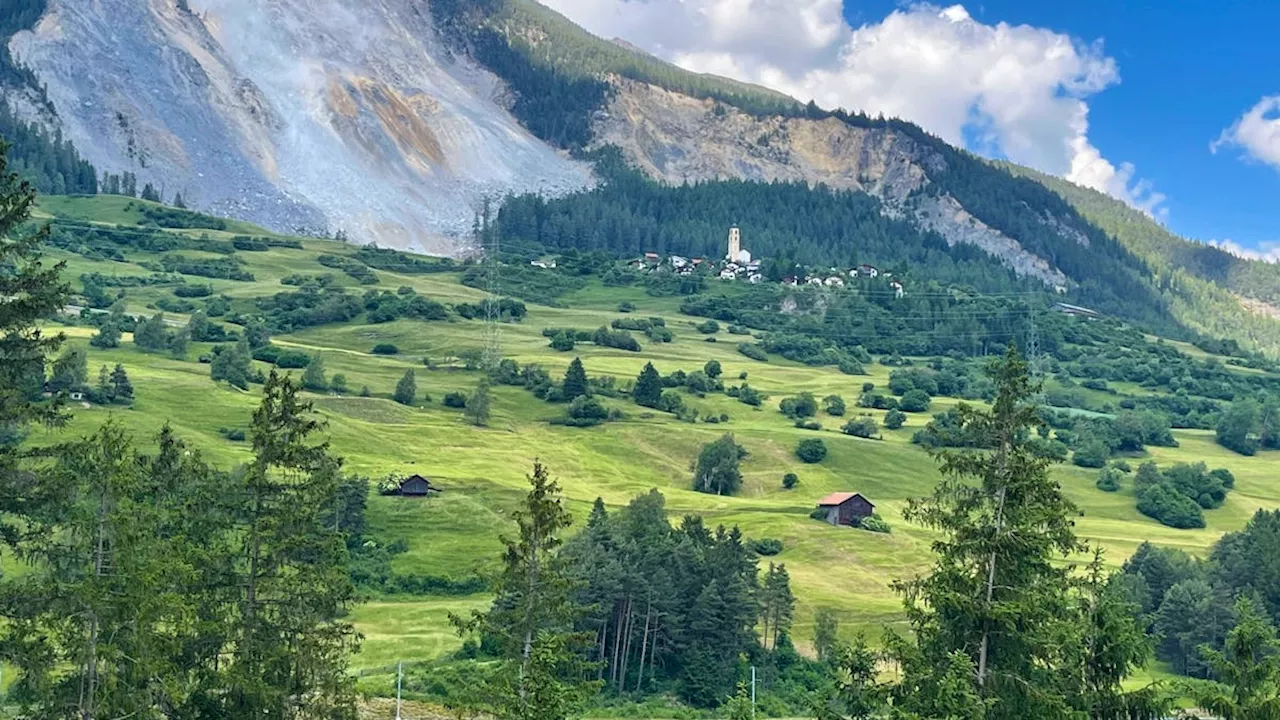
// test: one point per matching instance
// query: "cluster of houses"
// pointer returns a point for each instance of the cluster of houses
(738, 264)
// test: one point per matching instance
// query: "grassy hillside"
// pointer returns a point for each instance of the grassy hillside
(1204, 283)
(482, 469)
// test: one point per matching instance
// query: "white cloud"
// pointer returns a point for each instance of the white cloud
(1256, 133)
(1267, 251)
(1017, 91)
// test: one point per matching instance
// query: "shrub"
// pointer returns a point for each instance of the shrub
(708, 327)
(1092, 453)
(874, 523)
(818, 514)
(753, 351)
(915, 400)
(455, 400)
(671, 401)
(811, 450)
(385, 349)
(808, 425)
(800, 406)
(894, 419)
(833, 405)
(293, 360)
(717, 468)
(232, 434)
(790, 480)
(1169, 507)
(862, 426)
(767, 546)
(626, 306)
(1108, 480)
(563, 342)
(193, 291)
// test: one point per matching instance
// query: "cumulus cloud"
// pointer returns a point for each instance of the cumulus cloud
(1256, 133)
(1266, 252)
(1015, 91)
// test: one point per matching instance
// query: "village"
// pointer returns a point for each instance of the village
(739, 265)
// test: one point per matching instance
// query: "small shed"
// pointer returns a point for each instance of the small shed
(846, 508)
(417, 486)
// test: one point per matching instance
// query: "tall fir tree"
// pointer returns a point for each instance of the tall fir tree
(575, 380)
(407, 389)
(648, 388)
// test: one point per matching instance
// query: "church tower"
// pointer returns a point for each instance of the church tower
(735, 244)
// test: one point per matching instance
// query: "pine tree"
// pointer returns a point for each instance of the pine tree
(575, 380)
(994, 592)
(292, 647)
(149, 193)
(70, 370)
(777, 604)
(313, 377)
(1247, 669)
(121, 388)
(532, 615)
(648, 387)
(406, 389)
(178, 201)
(29, 291)
(104, 384)
(478, 405)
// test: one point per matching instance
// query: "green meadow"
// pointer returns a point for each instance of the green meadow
(482, 470)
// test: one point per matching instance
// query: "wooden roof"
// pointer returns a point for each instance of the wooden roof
(840, 498)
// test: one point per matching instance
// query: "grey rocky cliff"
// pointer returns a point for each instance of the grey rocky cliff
(301, 115)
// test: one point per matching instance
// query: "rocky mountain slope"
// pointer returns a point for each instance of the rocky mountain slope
(312, 115)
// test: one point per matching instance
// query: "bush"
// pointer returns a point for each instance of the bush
(811, 450)
(833, 405)
(753, 351)
(862, 426)
(894, 419)
(232, 434)
(385, 349)
(808, 425)
(1092, 453)
(767, 546)
(790, 480)
(1108, 480)
(800, 406)
(626, 306)
(1166, 505)
(455, 400)
(915, 400)
(874, 523)
(708, 327)
(563, 342)
(193, 291)
(818, 514)
(292, 360)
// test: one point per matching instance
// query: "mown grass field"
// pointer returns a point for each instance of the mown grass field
(482, 470)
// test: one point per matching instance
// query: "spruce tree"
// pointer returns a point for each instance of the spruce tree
(648, 388)
(70, 370)
(121, 388)
(29, 291)
(575, 380)
(996, 592)
(406, 389)
(1247, 669)
(291, 643)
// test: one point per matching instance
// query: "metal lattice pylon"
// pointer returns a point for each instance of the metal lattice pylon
(493, 287)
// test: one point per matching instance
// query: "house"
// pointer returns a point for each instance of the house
(544, 264)
(416, 486)
(698, 261)
(727, 274)
(846, 508)
(678, 261)
(813, 280)
(897, 288)
(77, 396)
(743, 257)
(1076, 310)
(834, 281)
(868, 270)
(789, 280)
(755, 278)
(651, 259)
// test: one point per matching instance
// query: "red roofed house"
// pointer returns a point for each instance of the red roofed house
(846, 508)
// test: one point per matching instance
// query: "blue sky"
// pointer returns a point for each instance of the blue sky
(1128, 98)
(1188, 70)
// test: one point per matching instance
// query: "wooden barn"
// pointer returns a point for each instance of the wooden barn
(846, 508)
(417, 486)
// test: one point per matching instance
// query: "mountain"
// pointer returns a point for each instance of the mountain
(282, 113)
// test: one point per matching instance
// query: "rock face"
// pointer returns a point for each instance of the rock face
(301, 115)
(675, 138)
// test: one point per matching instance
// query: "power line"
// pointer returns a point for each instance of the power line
(493, 286)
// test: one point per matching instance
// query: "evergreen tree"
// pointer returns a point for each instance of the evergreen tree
(1247, 670)
(648, 388)
(149, 193)
(575, 380)
(121, 388)
(531, 616)
(291, 643)
(176, 342)
(826, 634)
(178, 201)
(313, 377)
(70, 370)
(104, 384)
(407, 389)
(994, 592)
(777, 605)
(29, 291)
(477, 410)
